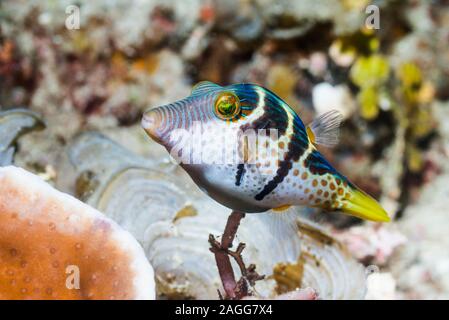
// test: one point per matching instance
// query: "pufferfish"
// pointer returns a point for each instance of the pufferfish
(287, 169)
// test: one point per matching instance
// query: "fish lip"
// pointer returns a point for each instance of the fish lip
(146, 122)
(149, 124)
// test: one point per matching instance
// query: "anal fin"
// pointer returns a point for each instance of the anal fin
(282, 208)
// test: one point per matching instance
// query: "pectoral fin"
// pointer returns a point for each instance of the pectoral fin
(324, 130)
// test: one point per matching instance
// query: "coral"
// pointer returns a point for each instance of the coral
(46, 235)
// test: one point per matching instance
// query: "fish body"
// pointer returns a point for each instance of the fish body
(247, 149)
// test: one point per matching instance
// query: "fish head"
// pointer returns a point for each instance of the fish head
(213, 132)
(210, 108)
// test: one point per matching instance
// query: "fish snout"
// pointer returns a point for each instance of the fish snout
(151, 123)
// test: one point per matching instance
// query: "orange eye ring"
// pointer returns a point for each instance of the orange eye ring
(227, 106)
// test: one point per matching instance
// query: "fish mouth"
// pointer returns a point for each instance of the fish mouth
(151, 122)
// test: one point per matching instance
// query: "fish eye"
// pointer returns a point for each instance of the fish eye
(227, 105)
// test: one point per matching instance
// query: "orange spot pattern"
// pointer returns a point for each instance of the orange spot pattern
(35, 252)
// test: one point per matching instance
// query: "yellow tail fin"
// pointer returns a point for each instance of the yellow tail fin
(364, 206)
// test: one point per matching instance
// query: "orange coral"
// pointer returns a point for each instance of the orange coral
(43, 232)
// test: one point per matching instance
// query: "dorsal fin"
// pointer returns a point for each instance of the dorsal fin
(324, 130)
(204, 87)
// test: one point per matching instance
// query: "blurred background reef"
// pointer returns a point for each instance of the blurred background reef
(391, 85)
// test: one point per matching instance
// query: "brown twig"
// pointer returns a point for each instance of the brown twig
(233, 289)
(224, 268)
